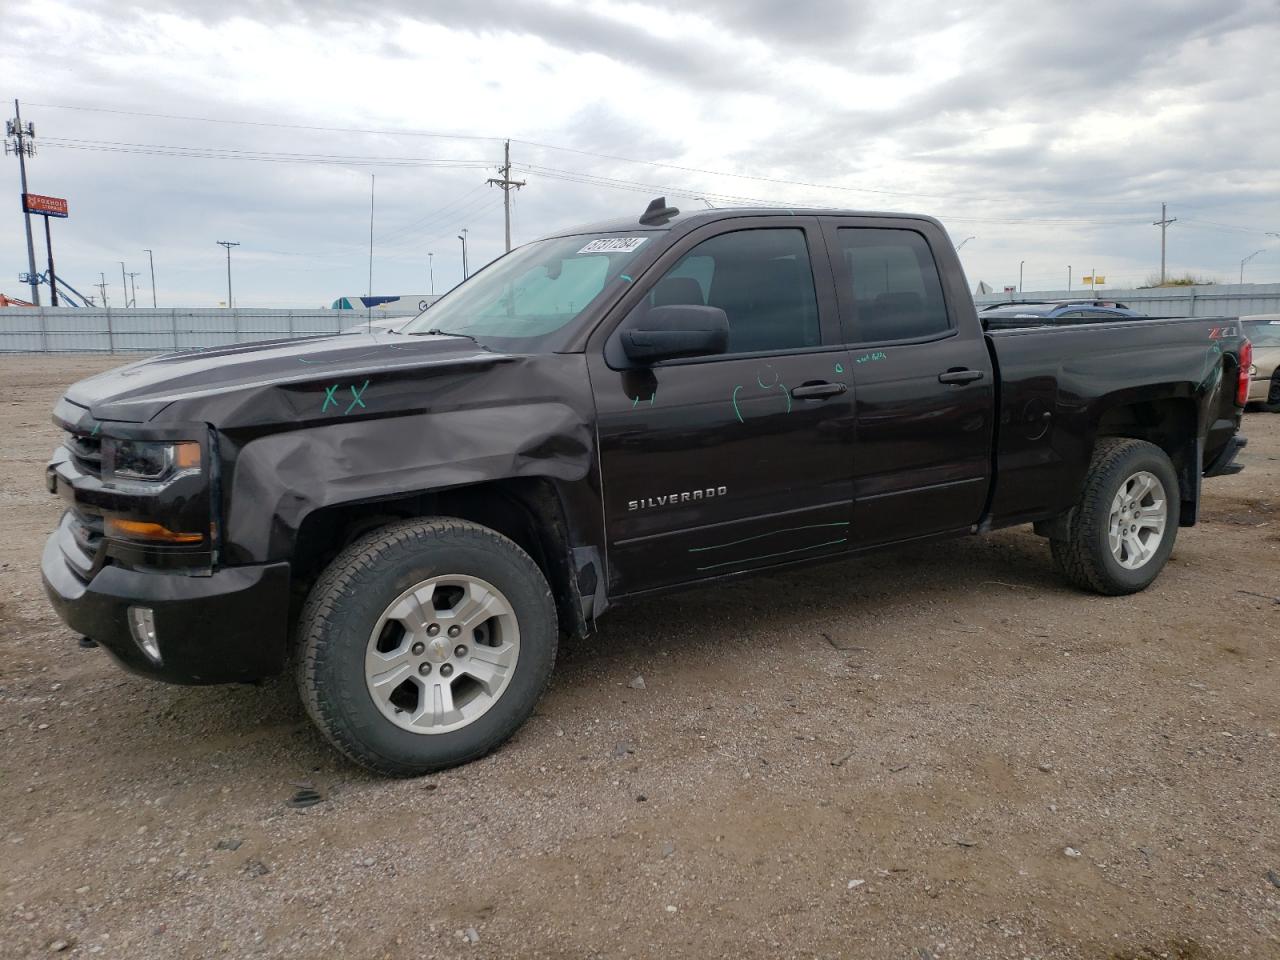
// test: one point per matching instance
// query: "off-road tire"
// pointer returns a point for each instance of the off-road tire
(1085, 557)
(351, 594)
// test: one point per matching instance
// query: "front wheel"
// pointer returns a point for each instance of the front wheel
(1121, 533)
(425, 644)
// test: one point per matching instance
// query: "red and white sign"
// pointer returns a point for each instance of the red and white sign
(47, 206)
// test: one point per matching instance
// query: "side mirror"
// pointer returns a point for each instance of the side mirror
(675, 331)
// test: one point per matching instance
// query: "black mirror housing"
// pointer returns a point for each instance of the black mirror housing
(676, 331)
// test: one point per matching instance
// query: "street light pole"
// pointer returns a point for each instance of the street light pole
(152, 260)
(960, 245)
(1246, 260)
(431, 271)
(228, 244)
(1020, 265)
(463, 237)
(1068, 278)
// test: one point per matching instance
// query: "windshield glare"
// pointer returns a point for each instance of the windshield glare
(534, 290)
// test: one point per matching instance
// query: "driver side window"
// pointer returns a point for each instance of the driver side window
(761, 279)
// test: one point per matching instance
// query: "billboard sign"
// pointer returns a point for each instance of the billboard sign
(46, 206)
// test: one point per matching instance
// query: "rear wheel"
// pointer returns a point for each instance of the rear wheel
(1121, 533)
(425, 645)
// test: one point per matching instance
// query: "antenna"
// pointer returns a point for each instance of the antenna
(658, 213)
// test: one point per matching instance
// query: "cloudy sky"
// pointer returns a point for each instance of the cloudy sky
(1049, 131)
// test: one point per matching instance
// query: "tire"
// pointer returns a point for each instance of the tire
(396, 579)
(1087, 557)
(1272, 403)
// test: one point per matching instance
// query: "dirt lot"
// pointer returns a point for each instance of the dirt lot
(885, 758)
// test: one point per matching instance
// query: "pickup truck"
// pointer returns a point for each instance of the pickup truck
(410, 521)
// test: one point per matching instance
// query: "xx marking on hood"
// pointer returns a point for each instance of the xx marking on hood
(357, 397)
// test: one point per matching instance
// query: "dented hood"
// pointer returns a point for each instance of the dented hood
(195, 384)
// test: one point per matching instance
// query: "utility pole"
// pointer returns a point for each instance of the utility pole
(21, 145)
(124, 286)
(228, 244)
(133, 290)
(1163, 224)
(463, 237)
(373, 181)
(1021, 263)
(505, 183)
(1068, 278)
(152, 261)
(102, 285)
(431, 271)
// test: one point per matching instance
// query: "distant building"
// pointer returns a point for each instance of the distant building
(401, 303)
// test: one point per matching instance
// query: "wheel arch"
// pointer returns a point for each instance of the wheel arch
(1171, 423)
(530, 511)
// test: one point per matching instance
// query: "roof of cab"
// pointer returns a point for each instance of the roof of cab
(695, 218)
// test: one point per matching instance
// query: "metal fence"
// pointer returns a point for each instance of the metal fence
(1217, 300)
(68, 330)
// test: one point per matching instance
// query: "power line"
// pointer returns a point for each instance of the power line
(563, 149)
(228, 153)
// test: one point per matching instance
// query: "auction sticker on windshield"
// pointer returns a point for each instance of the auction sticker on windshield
(613, 245)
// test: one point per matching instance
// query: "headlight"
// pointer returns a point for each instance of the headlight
(144, 460)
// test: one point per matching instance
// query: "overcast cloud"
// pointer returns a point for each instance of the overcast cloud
(1049, 131)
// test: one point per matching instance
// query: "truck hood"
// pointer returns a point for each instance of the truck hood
(144, 391)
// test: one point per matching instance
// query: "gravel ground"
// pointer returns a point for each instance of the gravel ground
(932, 753)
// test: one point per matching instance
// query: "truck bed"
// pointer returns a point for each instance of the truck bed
(1061, 386)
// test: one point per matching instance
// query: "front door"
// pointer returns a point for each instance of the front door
(923, 378)
(722, 464)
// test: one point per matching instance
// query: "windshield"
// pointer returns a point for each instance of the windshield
(534, 290)
(1263, 333)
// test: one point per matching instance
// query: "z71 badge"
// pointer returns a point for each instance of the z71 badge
(671, 499)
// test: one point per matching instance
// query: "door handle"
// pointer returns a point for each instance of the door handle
(960, 376)
(818, 390)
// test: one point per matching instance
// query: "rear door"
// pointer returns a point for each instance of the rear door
(717, 465)
(923, 380)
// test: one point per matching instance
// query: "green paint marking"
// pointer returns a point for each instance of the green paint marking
(786, 393)
(735, 403)
(839, 368)
(355, 398)
(770, 556)
(772, 533)
(623, 276)
(96, 428)
(329, 397)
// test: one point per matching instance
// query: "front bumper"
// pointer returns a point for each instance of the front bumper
(228, 627)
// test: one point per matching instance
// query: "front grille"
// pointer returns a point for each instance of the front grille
(86, 451)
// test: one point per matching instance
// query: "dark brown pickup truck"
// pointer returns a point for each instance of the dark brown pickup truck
(413, 518)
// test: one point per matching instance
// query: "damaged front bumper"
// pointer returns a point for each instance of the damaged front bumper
(224, 628)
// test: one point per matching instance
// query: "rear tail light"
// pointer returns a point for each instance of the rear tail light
(1246, 363)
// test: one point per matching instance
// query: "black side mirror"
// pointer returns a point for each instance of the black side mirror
(678, 330)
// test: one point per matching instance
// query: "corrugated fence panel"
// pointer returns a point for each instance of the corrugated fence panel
(69, 330)
(1217, 300)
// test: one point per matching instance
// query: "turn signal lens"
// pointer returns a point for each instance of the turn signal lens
(152, 532)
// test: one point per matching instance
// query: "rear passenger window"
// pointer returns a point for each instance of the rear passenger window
(897, 294)
(760, 278)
